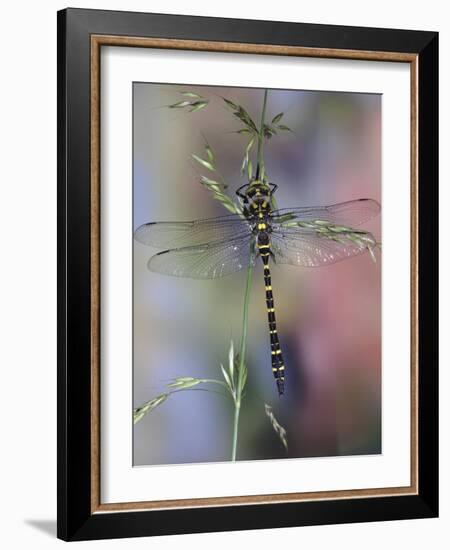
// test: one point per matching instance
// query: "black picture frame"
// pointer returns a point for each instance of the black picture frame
(77, 517)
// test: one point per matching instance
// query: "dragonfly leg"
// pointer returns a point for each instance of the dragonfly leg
(242, 195)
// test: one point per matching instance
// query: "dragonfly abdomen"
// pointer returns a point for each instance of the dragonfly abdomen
(275, 348)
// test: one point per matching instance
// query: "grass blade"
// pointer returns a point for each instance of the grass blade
(277, 118)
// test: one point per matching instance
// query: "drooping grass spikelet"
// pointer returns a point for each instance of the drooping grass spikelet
(277, 427)
(140, 412)
(195, 102)
(216, 187)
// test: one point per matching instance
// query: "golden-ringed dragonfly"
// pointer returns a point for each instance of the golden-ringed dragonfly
(309, 236)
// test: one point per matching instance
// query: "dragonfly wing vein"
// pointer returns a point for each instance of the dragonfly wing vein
(307, 249)
(179, 234)
(206, 261)
(350, 213)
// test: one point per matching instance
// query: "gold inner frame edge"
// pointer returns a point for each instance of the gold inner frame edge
(97, 41)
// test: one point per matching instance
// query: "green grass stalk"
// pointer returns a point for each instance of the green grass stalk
(242, 353)
(260, 155)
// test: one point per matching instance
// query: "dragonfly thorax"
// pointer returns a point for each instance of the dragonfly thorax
(257, 203)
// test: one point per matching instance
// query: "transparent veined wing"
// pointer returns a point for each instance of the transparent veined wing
(350, 214)
(205, 261)
(179, 234)
(306, 248)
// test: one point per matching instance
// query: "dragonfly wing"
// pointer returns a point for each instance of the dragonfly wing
(350, 213)
(308, 249)
(179, 234)
(205, 261)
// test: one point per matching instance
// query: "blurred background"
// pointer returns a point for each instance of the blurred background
(329, 318)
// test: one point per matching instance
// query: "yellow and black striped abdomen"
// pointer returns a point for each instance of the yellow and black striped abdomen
(259, 213)
(275, 349)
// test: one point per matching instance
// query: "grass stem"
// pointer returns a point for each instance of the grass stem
(260, 157)
(240, 381)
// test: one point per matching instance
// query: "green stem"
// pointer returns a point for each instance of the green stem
(240, 380)
(260, 157)
(235, 431)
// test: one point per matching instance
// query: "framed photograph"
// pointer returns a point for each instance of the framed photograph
(247, 274)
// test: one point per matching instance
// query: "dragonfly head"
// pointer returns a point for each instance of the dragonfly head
(257, 188)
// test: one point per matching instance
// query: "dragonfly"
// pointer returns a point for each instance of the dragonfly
(309, 236)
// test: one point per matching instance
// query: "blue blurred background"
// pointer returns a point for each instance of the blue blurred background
(329, 318)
